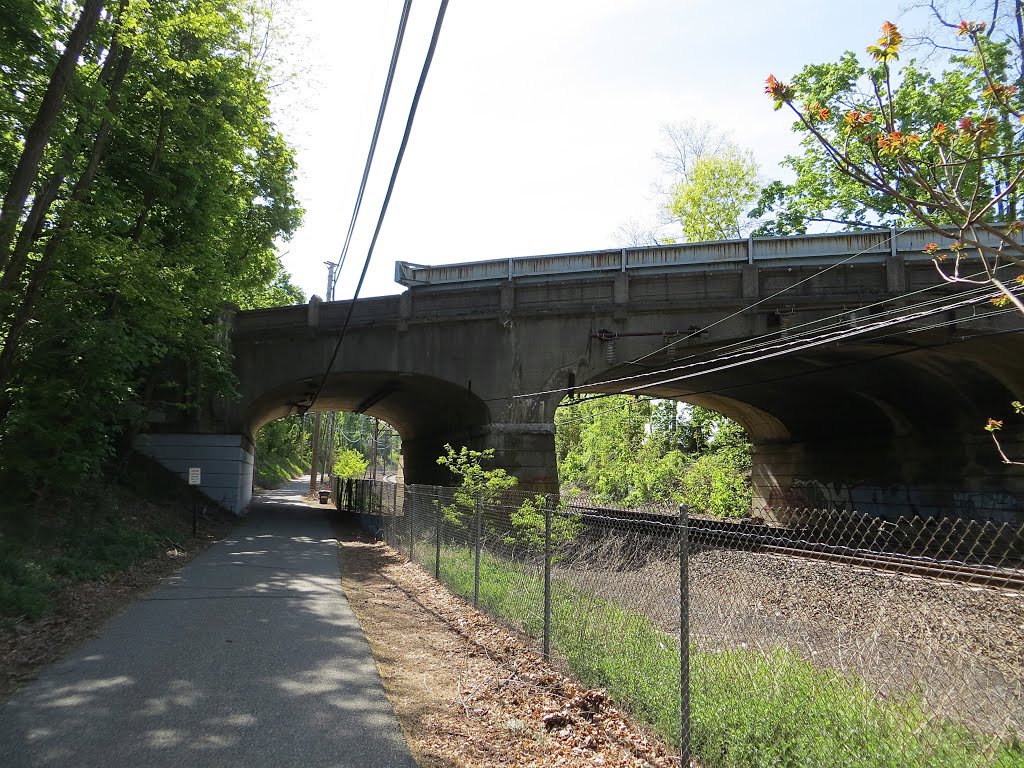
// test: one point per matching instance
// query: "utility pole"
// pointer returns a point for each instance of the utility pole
(329, 457)
(373, 450)
(314, 484)
(331, 266)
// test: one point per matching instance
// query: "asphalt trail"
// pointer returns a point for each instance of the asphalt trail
(250, 656)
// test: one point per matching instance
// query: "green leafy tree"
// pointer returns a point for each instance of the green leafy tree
(717, 484)
(622, 450)
(708, 190)
(487, 488)
(667, 425)
(714, 199)
(943, 151)
(529, 524)
(476, 484)
(350, 463)
(605, 450)
(162, 188)
(281, 451)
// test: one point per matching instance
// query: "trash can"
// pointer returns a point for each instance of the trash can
(325, 497)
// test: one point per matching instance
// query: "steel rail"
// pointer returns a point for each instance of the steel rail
(752, 537)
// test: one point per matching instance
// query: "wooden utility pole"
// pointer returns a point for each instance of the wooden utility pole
(331, 432)
(314, 485)
(373, 450)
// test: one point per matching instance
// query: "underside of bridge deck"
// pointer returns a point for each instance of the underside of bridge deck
(895, 423)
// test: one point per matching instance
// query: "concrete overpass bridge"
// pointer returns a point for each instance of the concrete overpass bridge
(861, 378)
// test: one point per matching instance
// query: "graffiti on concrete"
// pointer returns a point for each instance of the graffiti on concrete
(898, 501)
(988, 505)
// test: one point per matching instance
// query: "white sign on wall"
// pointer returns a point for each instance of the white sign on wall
(194, 474)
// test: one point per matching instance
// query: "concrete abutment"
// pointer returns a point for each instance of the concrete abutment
(795, 482)
(225, 463)
(527, 451)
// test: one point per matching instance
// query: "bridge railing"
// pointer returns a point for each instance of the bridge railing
(838, 639)
(869, 245)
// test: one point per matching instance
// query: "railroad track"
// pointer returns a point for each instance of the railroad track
(801, 543)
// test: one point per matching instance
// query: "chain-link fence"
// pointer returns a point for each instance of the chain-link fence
(833, 639)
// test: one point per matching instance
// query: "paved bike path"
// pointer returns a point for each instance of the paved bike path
(250, 656)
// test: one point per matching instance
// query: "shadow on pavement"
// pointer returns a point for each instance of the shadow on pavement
(250, 656)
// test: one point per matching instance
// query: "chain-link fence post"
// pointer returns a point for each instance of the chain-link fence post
(408, 509)
(476, 563)
(547, 580)
(684, 636)
(437, 534)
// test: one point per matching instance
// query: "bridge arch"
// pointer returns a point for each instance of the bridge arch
(426, 411)
(884, 425)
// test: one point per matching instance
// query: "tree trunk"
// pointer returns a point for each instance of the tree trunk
(114, 71)
(38, 135)
(148, 195)
(332, 441)
(40, 273)
(373, 449)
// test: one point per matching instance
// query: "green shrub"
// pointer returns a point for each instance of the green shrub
(30, 574)
(476, 484)
(716, 484)
(528, 525)
(350, 463)
(25, 586)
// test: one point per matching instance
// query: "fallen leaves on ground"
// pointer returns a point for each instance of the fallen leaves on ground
(470, 692)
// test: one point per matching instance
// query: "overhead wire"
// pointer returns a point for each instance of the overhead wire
(741, 311)
(642, 398)
(819, 273)
(389, 80)
(840, 319)
(764, 341)
(387, 197)
(828, 339)
(770, 340)
(848, 363)
(875, 326)
(792, 376)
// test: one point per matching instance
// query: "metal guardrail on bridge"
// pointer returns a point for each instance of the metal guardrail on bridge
(874, 245)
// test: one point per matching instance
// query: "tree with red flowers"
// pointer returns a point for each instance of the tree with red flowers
(944, 151)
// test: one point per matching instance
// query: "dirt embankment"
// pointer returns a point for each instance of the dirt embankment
(78, 611)
(467, 691)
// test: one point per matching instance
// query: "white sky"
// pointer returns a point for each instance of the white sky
(537, 129)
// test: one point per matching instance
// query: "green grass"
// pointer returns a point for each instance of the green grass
(33, 568)
(749, 709)
(273, 471)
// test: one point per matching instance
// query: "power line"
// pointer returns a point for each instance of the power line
(336, 272)
(819, 273)
(841, 320)
(770, 341)
(738, 312)
(792, 376)
(387, 198)
(814, 330)
(827, 339)
(852, 363)
(764, 341)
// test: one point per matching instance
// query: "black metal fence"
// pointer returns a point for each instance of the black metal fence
(836, 639)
